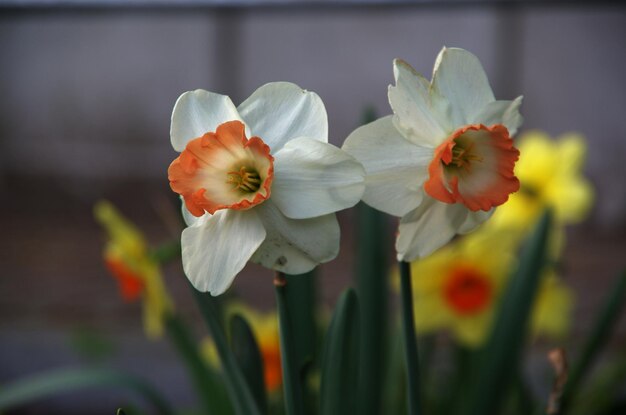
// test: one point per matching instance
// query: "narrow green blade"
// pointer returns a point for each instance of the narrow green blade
(292, 385)
(206, 381)
(373, 290)
(240, 394)
(301, 297)
(341, 358)
(247, 353)
(301, 301)
(499, 363)
(71, 380)
(602, 329)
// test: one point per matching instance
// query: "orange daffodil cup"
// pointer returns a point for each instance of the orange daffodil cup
(445, 158)
(259, 182)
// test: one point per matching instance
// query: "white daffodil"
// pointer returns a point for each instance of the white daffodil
(445, 158)
(269, 198)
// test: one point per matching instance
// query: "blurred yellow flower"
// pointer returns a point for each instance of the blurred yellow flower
(127, 258)
(265, 329)
(550, 175)
(459, 287)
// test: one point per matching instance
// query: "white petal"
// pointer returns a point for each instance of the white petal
(216, 250)
(312, 179)
(501, 112)
(428, 228)
(280, 111)
(199, 112)
(410, 101)
(474, 219)
(395, 168)
(296, 246)
(191, 220)
(460, 78)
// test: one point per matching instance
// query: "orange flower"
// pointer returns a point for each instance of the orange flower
(127, 258)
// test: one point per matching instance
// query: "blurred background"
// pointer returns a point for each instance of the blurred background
(86, 96)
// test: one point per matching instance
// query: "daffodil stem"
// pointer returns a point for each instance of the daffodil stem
(410, 341)
(205, 382)
(292, 388)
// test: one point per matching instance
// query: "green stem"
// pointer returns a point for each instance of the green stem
(291, 380)
(602, 329)
(211, 394)
(410, 342)
(237, 387)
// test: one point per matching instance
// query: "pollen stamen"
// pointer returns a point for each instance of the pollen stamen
(463, 157)
(246, 179)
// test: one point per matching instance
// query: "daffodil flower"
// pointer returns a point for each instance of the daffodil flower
(127, 257)
(460, 287)
(445, 158)
(259, 182)
(550, 172)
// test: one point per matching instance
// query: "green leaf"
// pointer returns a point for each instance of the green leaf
(292, 385)
(300, 295)
(206, 381)
(602, 329)
(414, 385)
(247, 353)
(240, 394)
(301, 301)
(71, 380)
(373, 290)
(341, 358)
(499, 362)
(603, 389)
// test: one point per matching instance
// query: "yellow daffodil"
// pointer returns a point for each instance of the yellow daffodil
(445, 158)
(265, 329)
(459, 287)
(259, 182)
(127, 258)
(550, 172)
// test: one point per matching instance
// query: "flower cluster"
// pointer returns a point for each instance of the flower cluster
(260, 182)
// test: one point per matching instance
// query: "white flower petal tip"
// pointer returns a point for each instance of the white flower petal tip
(216, 251)
(459, 78)
(198, 112)
(315, 179)
(281, 111)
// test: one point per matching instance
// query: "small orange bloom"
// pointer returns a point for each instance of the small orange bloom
(474, 166)
(131, 284)
(467, 290)
(223, 170)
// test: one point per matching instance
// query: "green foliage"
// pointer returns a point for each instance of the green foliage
(207, 382)
(71, 380)
(340, 369)
(249, 358)
(500, 361)
(236, 385)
